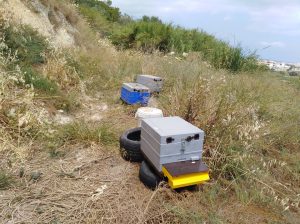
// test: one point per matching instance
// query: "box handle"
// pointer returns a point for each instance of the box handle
(170, 140)
(190, 138)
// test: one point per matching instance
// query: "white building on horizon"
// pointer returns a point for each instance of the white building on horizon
(276, 66)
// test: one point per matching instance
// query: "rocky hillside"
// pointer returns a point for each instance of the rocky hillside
(49, 21)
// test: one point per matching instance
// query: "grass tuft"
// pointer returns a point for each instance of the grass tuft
(79, 132)
(5, 180)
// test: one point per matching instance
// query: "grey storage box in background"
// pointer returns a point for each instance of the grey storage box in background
(170, 139)
(154, 83)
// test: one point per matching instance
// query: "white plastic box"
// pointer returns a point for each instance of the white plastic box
(154, 83)
(147, 112)
(170, 139)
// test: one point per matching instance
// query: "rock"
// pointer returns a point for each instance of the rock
(54, 19)
(39, 210)
(21, 172)
(62, 119)
(36, 175)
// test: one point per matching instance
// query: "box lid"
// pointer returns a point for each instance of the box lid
(136, 87)
(171, 126)
(151, 77)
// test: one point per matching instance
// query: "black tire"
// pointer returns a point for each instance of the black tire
(148, 176)
(131, 156)
(130, 145)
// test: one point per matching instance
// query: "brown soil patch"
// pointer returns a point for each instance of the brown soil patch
(86, 185)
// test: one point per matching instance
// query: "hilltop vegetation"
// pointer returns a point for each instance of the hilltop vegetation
(250, 118)
(150, 34)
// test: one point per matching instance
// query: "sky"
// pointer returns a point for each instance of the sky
(271, 28)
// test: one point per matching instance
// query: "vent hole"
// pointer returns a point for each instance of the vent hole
(170, 140)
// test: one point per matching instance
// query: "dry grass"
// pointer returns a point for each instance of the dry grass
(93, 185)
(240, 139)
(79, 189)
(58, 70)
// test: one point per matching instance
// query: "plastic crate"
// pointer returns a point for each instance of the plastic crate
(135, 93)
(154, 83)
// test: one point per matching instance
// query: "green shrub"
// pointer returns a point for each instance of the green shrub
(150, 34)
(27, 43)
(30, 49)
(97, 21)
(104, 8)
(39, 82)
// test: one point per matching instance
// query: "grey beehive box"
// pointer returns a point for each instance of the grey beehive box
(133, 87)
(154, 83)
(170, 139)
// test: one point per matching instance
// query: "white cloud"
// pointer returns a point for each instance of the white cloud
(284, 19)
(275, 16)
(174, 6)
(267, 44)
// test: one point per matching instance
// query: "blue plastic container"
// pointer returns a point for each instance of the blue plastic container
(135, 93)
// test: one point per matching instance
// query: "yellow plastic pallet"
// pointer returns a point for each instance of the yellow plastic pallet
(186, 179)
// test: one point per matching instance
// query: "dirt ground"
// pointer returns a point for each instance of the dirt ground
(87, 184)
(90, 183)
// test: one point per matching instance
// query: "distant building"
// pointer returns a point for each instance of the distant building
(281, 67)
(268, 63)
(294, 70)
(276, 66)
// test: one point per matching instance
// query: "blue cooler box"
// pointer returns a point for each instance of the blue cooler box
(135, 93)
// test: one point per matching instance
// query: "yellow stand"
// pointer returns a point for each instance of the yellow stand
(186, 179)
